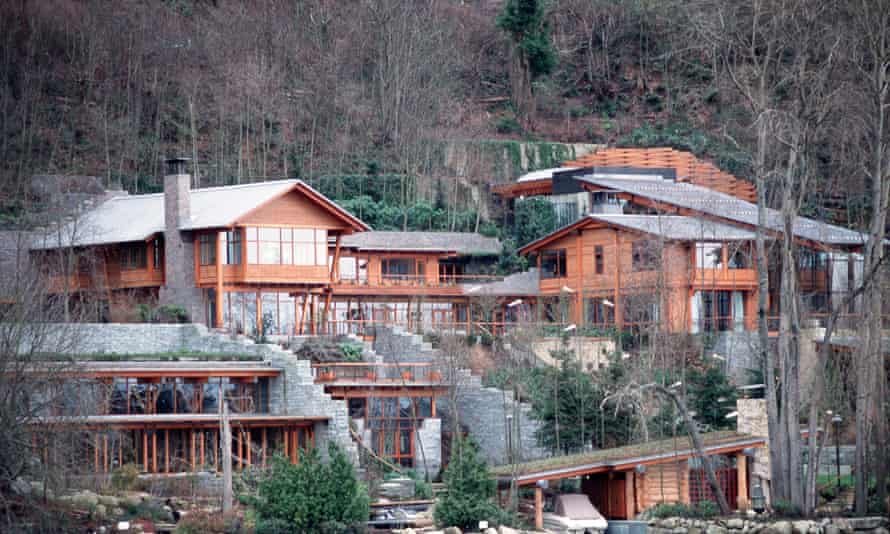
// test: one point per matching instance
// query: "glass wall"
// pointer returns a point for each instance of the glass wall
(287, 246)
(178, 395)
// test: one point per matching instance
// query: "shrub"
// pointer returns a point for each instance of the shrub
(706, 509)
(507, 125)
(203, 522)
(311, 496)
(785, 508)
(351, 352)
(124, 478)
(470, 490)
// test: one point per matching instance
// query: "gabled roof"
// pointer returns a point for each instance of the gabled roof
(653, 452)
(669, 227)
(725, 206)
(138, 217)
(464, 243)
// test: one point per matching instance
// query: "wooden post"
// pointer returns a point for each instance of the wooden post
(216, 451)
(629, 495)
(96, 453)
(539, 508)
(579, 296)
(619, 315)
(203, 458)
(247, 446)
(145, 450)
(240, 450)
(335, 265)
(296, 315)
(192, 439)
(166, 450)
(154, 451)
(303, 313)
(264, 446)
(742, 473)
(259, 312)
(294, 444)
(105, 452)
(312, 315)
(219, 280)
(226, 458)
(325, 319)
(285, 432)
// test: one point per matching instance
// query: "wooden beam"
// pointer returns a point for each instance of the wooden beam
(539, 508)
(218, 320)
(742, 474)
(335, 265)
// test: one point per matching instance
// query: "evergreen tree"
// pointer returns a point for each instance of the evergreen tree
(711, 397)
(311, 496)
(471, 491)
(533, 218)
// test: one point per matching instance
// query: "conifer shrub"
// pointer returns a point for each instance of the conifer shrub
(471, 491)
(311, 496)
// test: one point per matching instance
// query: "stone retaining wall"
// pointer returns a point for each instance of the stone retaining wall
(739, 525)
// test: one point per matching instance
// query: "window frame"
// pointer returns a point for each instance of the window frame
(599, 259)
(207, 249)
(644, 256)
(133, 256)
(559, 261)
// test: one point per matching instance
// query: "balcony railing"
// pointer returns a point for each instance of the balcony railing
(368, 373)
(418, 280)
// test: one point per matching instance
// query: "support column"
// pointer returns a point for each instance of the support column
(166, 451)
(629, 494)
(259, 312)
(154, 451)
(539, 508)
(313, 315)
(742, 473)
(218, 319)
(145, 450)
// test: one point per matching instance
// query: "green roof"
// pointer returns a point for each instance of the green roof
(638, 453)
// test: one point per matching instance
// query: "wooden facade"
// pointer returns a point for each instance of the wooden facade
(609, 274)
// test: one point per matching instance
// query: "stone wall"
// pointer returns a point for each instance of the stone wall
(429, 439)
(766, 525)
(592, 352)
(483, 412)
(394, 344)
(752, 419)
(741, 351)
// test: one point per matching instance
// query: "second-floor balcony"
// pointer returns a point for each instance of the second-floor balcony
(361, 374)
(413, 280)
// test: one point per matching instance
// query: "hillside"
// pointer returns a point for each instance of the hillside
(323, 89)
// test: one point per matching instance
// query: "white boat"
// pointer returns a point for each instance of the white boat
(574, 514)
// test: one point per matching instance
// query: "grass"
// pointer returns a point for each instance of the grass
(153, 356)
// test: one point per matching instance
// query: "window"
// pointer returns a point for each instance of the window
(645, 255)
(553, 263)
(401, 268)
(207, 248)
(233, 247)
(598, 258)
(738, 258)
(287, 246)
(708, 255)
(134, 256)
(600, 311)
(157, 247)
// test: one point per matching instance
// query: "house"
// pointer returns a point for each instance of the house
(624, 481)
(686, 223)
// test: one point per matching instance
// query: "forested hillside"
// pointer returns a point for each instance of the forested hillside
(329, 91)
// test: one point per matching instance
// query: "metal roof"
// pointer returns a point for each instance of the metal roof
(138, 217)
(726, 206)
(460, 242)
(515, 285)
(677, 227)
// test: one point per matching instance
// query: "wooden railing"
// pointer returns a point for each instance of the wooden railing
(417, 280)
(408, 373)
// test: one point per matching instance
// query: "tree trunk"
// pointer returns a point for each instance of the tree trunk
(521, 86)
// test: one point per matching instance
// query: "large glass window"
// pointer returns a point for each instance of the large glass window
(553, 263)
(133, 256)
(207, 248)
(287, 246)
(708, 255)
(401, 268)
(233, 247)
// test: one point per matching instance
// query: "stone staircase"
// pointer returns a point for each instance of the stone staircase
(482, 410)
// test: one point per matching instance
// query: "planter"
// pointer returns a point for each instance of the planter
(406, 375)
(326, 376)
(371, 375)
(435, 376)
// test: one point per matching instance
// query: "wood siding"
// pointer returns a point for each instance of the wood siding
(293, 209)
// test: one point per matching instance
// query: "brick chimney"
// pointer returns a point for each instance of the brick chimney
(179, 246)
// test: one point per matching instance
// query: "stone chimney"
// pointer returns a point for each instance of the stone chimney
(179, 246)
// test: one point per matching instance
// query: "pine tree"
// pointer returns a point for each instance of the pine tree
(471, 491)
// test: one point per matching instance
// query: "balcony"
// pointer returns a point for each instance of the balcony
(724, 278)
(363, 374)
(272, 274)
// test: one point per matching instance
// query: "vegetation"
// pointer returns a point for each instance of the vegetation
(701, 510)
(311, 496)
(533, 218)
(471, 490)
